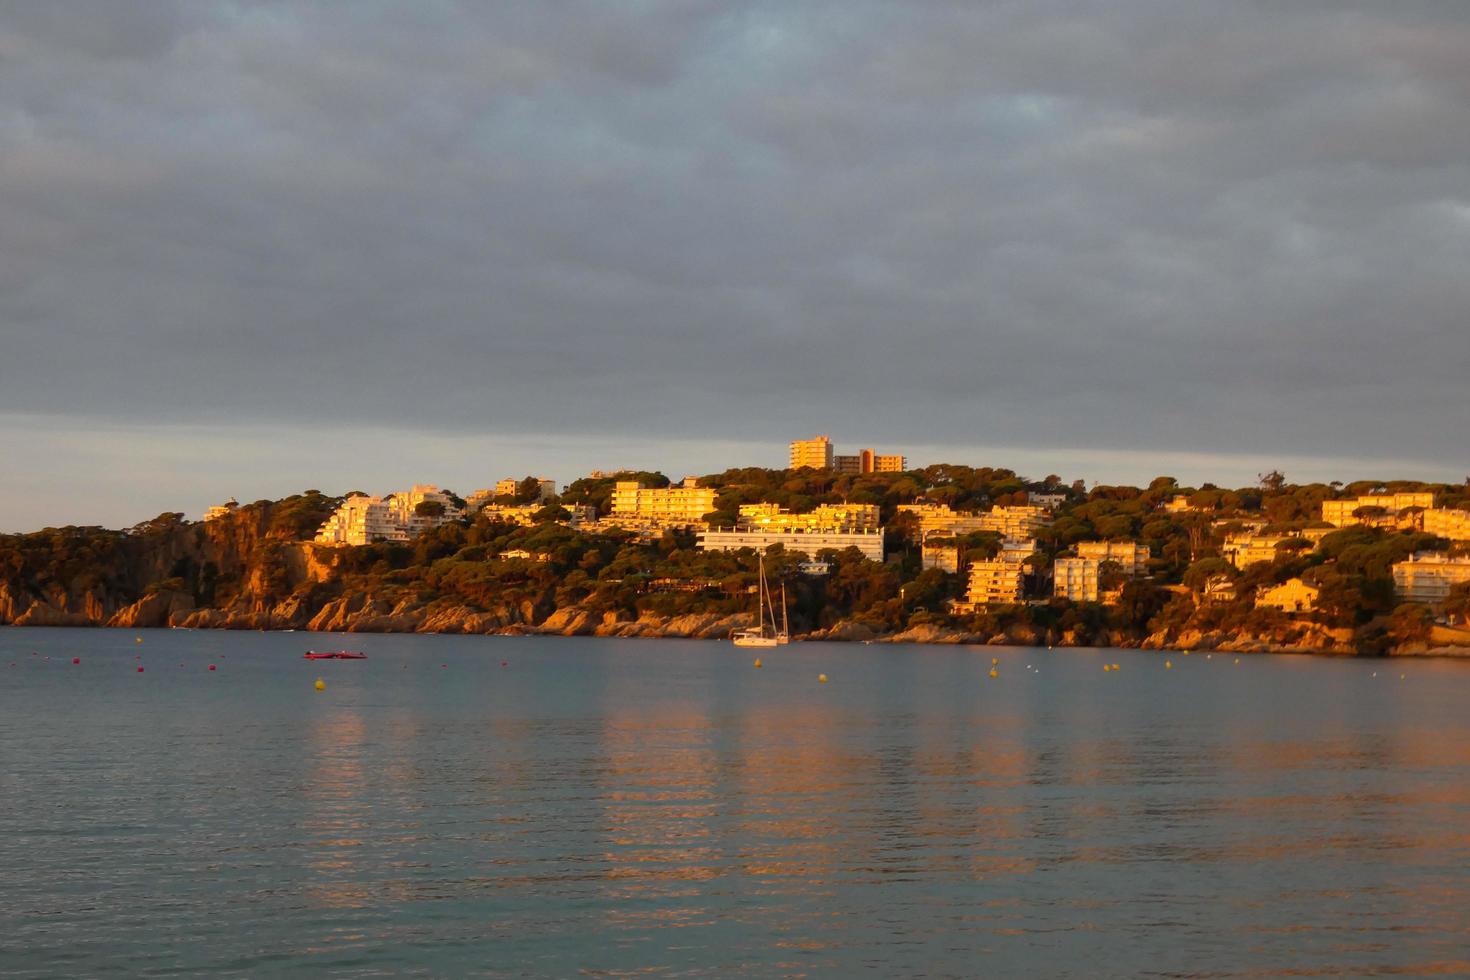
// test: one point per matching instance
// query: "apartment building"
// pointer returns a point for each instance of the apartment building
(1452, 524)
(1342, 513)
(1076, 579)
(685, 504)
(1429, 575)
(1019, 521)
(996, 582)
(815, 453)
(826, 517)
(1242, 550)
(869, 461)
(363, 520)
(1129, 554)
(869, 542)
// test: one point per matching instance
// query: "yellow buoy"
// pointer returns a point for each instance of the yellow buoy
(757, 661)
(1237, 660)
(1168, 665)
(1107, 667)
(137, 639)
(1186, 653)
(321, 685)
(995, 661)
(821, 678)
(1116, 667)
(994, 672)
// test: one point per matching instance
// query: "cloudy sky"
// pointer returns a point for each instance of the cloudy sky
(247, 248)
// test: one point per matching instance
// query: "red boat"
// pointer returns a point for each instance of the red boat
(334, 655)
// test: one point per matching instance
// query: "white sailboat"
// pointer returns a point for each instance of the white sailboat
(766, 634)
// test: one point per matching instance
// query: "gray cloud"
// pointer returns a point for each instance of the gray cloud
(1158, 224)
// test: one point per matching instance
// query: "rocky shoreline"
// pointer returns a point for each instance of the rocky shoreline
(359, 613)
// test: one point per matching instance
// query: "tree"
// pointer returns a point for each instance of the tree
(429, 508)
(1273, 481)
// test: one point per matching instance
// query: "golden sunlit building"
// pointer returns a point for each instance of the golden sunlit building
(1429, 575)
(1344, 513)
(1131, 555)
(870, 543)
(815, 453)
(1452, 524)
(1292, 596)
(683, 504)
(826, 517)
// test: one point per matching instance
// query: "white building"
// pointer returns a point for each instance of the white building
(1129, 554)
(363, 520)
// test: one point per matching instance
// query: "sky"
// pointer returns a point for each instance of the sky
(252, 248)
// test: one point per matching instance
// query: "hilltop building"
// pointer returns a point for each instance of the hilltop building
(869, 542)
(1343, 513)
(826, 517)
(1020, 521)
(1429, 575)
(510, 487)
(998, 581)
(1242, 550)
(815, 453)
(363, 520)
(1452, 524)
(682, 505)
(1129, 554)
(221, 510)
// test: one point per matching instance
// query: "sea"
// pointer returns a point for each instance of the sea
(191, 803)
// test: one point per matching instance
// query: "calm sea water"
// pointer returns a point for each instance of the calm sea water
(540, 806)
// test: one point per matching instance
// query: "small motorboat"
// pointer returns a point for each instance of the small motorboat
(334, 655)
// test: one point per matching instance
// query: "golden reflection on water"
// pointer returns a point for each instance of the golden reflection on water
(334, 793)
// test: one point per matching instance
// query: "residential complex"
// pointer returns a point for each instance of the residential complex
(397, 517)
(817, 454)
(1429, 575)
(221, 510)
(1242, 550)
(1131, 555)
(996, 582)
(1343, 513)
(685, 504)
(1452, 524)
(814, 453)
(826, 517)
(870, 542)
(1020, 521)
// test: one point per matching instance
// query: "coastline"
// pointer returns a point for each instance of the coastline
(715, 627)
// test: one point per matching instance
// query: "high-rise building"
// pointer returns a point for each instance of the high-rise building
(815, 453)
(1129, 554)
(1342, 513)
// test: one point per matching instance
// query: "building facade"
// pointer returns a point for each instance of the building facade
(815, 453)
(1429, 575)
(1076, 579)
(996, 582)
(685, 504)
(1129, 554)
(826, 517)
(1452, 524)
(870, 543)
(1342, 513)
(1242, 550)
(221, 510)
(363, 520)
